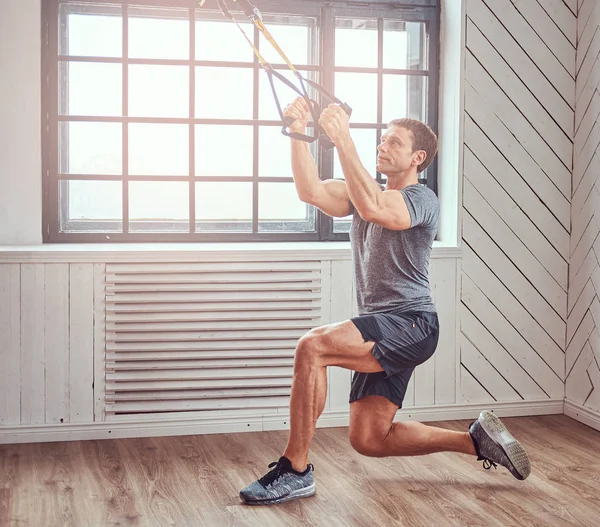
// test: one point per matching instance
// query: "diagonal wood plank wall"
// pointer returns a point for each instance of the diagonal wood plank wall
(583, 331)
(519, 113)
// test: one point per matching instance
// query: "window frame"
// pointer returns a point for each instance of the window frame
(423, 11)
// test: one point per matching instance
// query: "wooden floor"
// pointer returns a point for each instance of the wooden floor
(195, 480)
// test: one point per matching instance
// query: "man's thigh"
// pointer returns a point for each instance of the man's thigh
(342, 344)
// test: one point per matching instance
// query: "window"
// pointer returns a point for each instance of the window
(160, 125)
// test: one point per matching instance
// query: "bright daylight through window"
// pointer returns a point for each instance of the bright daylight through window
(160, 124)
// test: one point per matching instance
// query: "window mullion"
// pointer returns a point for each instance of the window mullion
(64, 188)
(192, 126)
(255, 133)
(125, 132)
(378, 177)
(433, 31)
(325, 157)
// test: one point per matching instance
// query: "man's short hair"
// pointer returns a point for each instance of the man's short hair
(424, 138)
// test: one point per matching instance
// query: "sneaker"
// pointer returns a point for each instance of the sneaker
(281, 484)
(494, 444)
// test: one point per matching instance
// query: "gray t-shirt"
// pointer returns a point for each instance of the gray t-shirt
(391, 267)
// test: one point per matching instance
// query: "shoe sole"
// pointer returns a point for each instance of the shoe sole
(513, 450)
(306, 492)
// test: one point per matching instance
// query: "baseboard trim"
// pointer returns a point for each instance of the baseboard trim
(453, 412)
(258, 423)
(584, 415)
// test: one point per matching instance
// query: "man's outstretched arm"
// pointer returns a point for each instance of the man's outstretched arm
(330, 196)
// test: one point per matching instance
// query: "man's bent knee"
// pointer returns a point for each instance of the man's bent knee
(310, 348)
(370, 445)
(369, 441)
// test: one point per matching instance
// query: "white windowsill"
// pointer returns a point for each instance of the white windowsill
(185, 252)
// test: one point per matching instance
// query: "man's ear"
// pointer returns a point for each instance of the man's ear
(420, 156)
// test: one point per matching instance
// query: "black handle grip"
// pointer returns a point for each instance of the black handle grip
(346, 108)
(324, 140)
(288, 121)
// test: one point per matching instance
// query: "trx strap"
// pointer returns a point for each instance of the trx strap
(256, 18)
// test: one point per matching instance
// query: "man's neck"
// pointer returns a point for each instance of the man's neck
(402, 180)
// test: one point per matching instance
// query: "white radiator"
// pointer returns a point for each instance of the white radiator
(206, 337)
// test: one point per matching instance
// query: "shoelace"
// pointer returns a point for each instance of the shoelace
(487, 464)
(277, 472)
(271, 476)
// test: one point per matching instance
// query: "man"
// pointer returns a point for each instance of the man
(392, 235)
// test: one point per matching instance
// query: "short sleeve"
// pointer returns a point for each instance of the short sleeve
(422, 204)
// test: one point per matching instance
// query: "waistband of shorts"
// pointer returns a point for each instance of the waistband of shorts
(432, 315)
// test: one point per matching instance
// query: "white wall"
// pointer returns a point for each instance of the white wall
(583, 328)
(510, 290)
(20, 123)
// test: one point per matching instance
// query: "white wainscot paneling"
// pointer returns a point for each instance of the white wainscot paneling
(46, 344)
(136, 349)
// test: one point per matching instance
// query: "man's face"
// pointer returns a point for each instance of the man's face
(395, 151)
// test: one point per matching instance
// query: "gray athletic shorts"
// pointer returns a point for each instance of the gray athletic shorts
(402, 342)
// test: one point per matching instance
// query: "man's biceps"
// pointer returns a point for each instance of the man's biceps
(396, 202)
(400, 214)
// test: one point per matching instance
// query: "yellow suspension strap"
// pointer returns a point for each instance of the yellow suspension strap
(256, 18)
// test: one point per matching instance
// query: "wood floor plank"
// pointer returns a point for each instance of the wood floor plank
(195, 480)
(115, 497)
